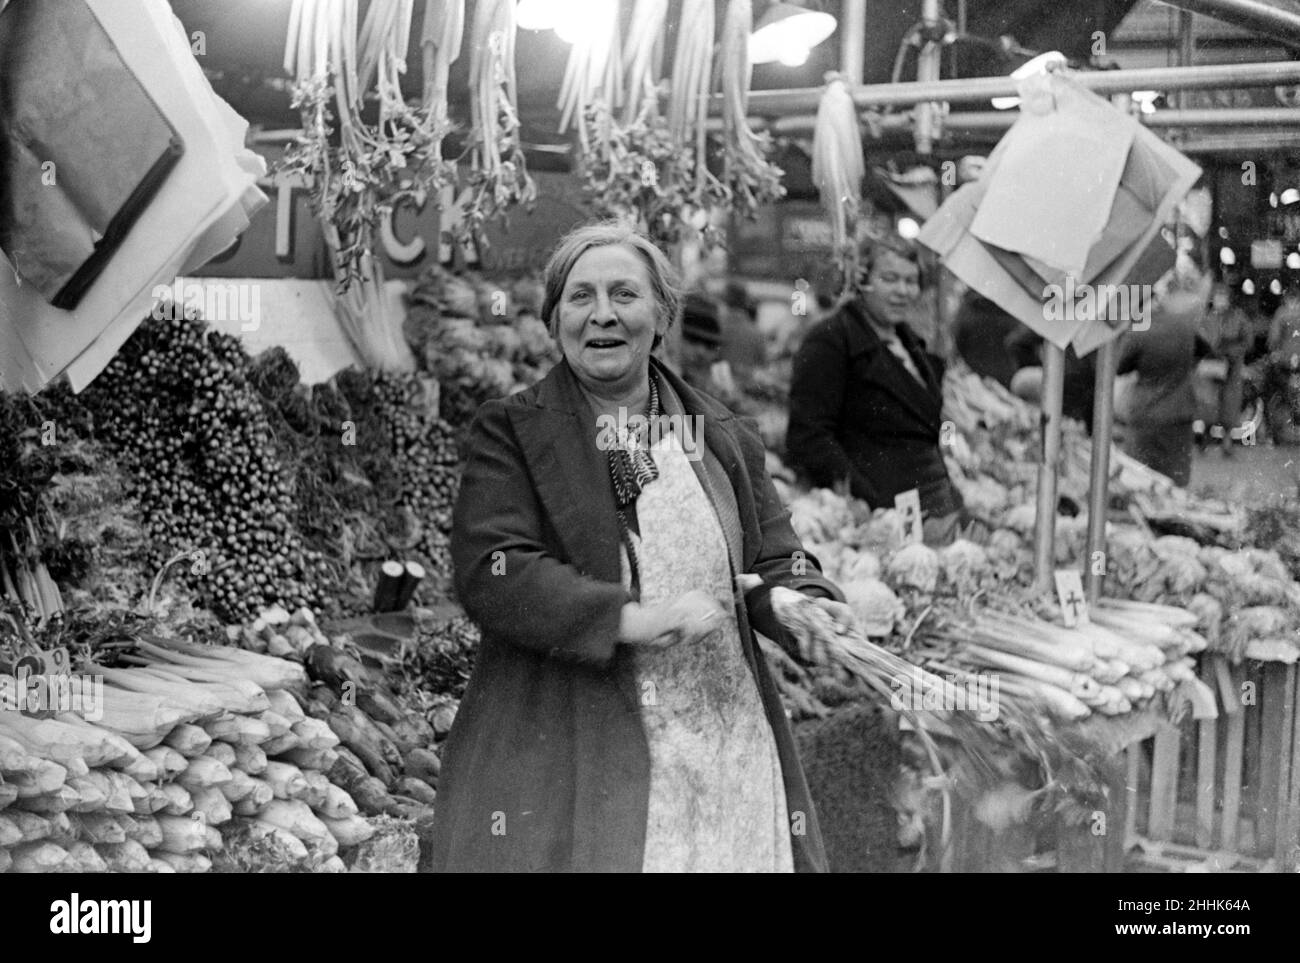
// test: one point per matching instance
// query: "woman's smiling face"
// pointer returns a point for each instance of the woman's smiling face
(608, 319)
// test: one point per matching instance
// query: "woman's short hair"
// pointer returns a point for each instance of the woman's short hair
(664, 281)
(876, 248)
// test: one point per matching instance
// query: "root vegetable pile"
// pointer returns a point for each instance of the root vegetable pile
(177, 408)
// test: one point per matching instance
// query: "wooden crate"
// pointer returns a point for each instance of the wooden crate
(1224, 786)
(1211, 795)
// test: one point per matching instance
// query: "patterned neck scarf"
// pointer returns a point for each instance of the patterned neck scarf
(632, 467)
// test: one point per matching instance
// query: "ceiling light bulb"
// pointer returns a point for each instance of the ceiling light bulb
(793, 56)
(537, 14)
(585, 21)
(785, 26)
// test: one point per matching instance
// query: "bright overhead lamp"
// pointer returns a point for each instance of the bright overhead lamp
(584, 21)
(907, 228)
(1275, 286)
(1227, 256)
(1248, 287)
(1290, 196)
(538, 14)
(787, 32)
(574, 21)
(1041, 64)
(1293, 261)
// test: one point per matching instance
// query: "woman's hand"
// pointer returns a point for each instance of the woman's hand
(688, 618)
(814, 651)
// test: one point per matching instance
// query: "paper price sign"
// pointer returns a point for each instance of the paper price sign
(1074, 604)
(908, 504)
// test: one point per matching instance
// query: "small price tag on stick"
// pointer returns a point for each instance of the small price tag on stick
(908, 504)
(1074, 604)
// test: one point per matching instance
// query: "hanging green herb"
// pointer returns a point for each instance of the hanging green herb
(358, 171)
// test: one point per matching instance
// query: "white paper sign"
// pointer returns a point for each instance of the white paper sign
(1074, 604)
(908, 504)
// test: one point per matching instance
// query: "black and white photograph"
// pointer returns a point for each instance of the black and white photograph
(651, 436)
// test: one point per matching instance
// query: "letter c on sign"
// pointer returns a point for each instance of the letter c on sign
(399, 253)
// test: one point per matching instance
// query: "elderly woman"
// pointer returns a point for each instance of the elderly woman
(621, 716)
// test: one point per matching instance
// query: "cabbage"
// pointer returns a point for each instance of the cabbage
(1176, 546)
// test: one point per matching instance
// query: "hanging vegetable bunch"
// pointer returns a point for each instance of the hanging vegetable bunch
(652, 167)
(499, 177)
(633, 165)
(358, 171)
(837, 169)
(750, 179)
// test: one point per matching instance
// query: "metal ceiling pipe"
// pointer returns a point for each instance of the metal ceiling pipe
(1191, 117)
(803, 100)
(994, 120)
(1278, 19)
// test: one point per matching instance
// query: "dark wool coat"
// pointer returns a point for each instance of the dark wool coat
(856, 413)
(547, 766)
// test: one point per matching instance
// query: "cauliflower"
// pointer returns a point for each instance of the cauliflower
(914, 566)
(884, 533)
(859, 565)
(1021, 518)
(963, 564)
(875, 605)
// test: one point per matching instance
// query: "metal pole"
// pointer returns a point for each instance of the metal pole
(776, 103)
(928, 64)
(926, 131)
(1045, 522)
(1186, 55)
(1103, 423)
(853, 39)
(1277, 19)
(995, 120)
